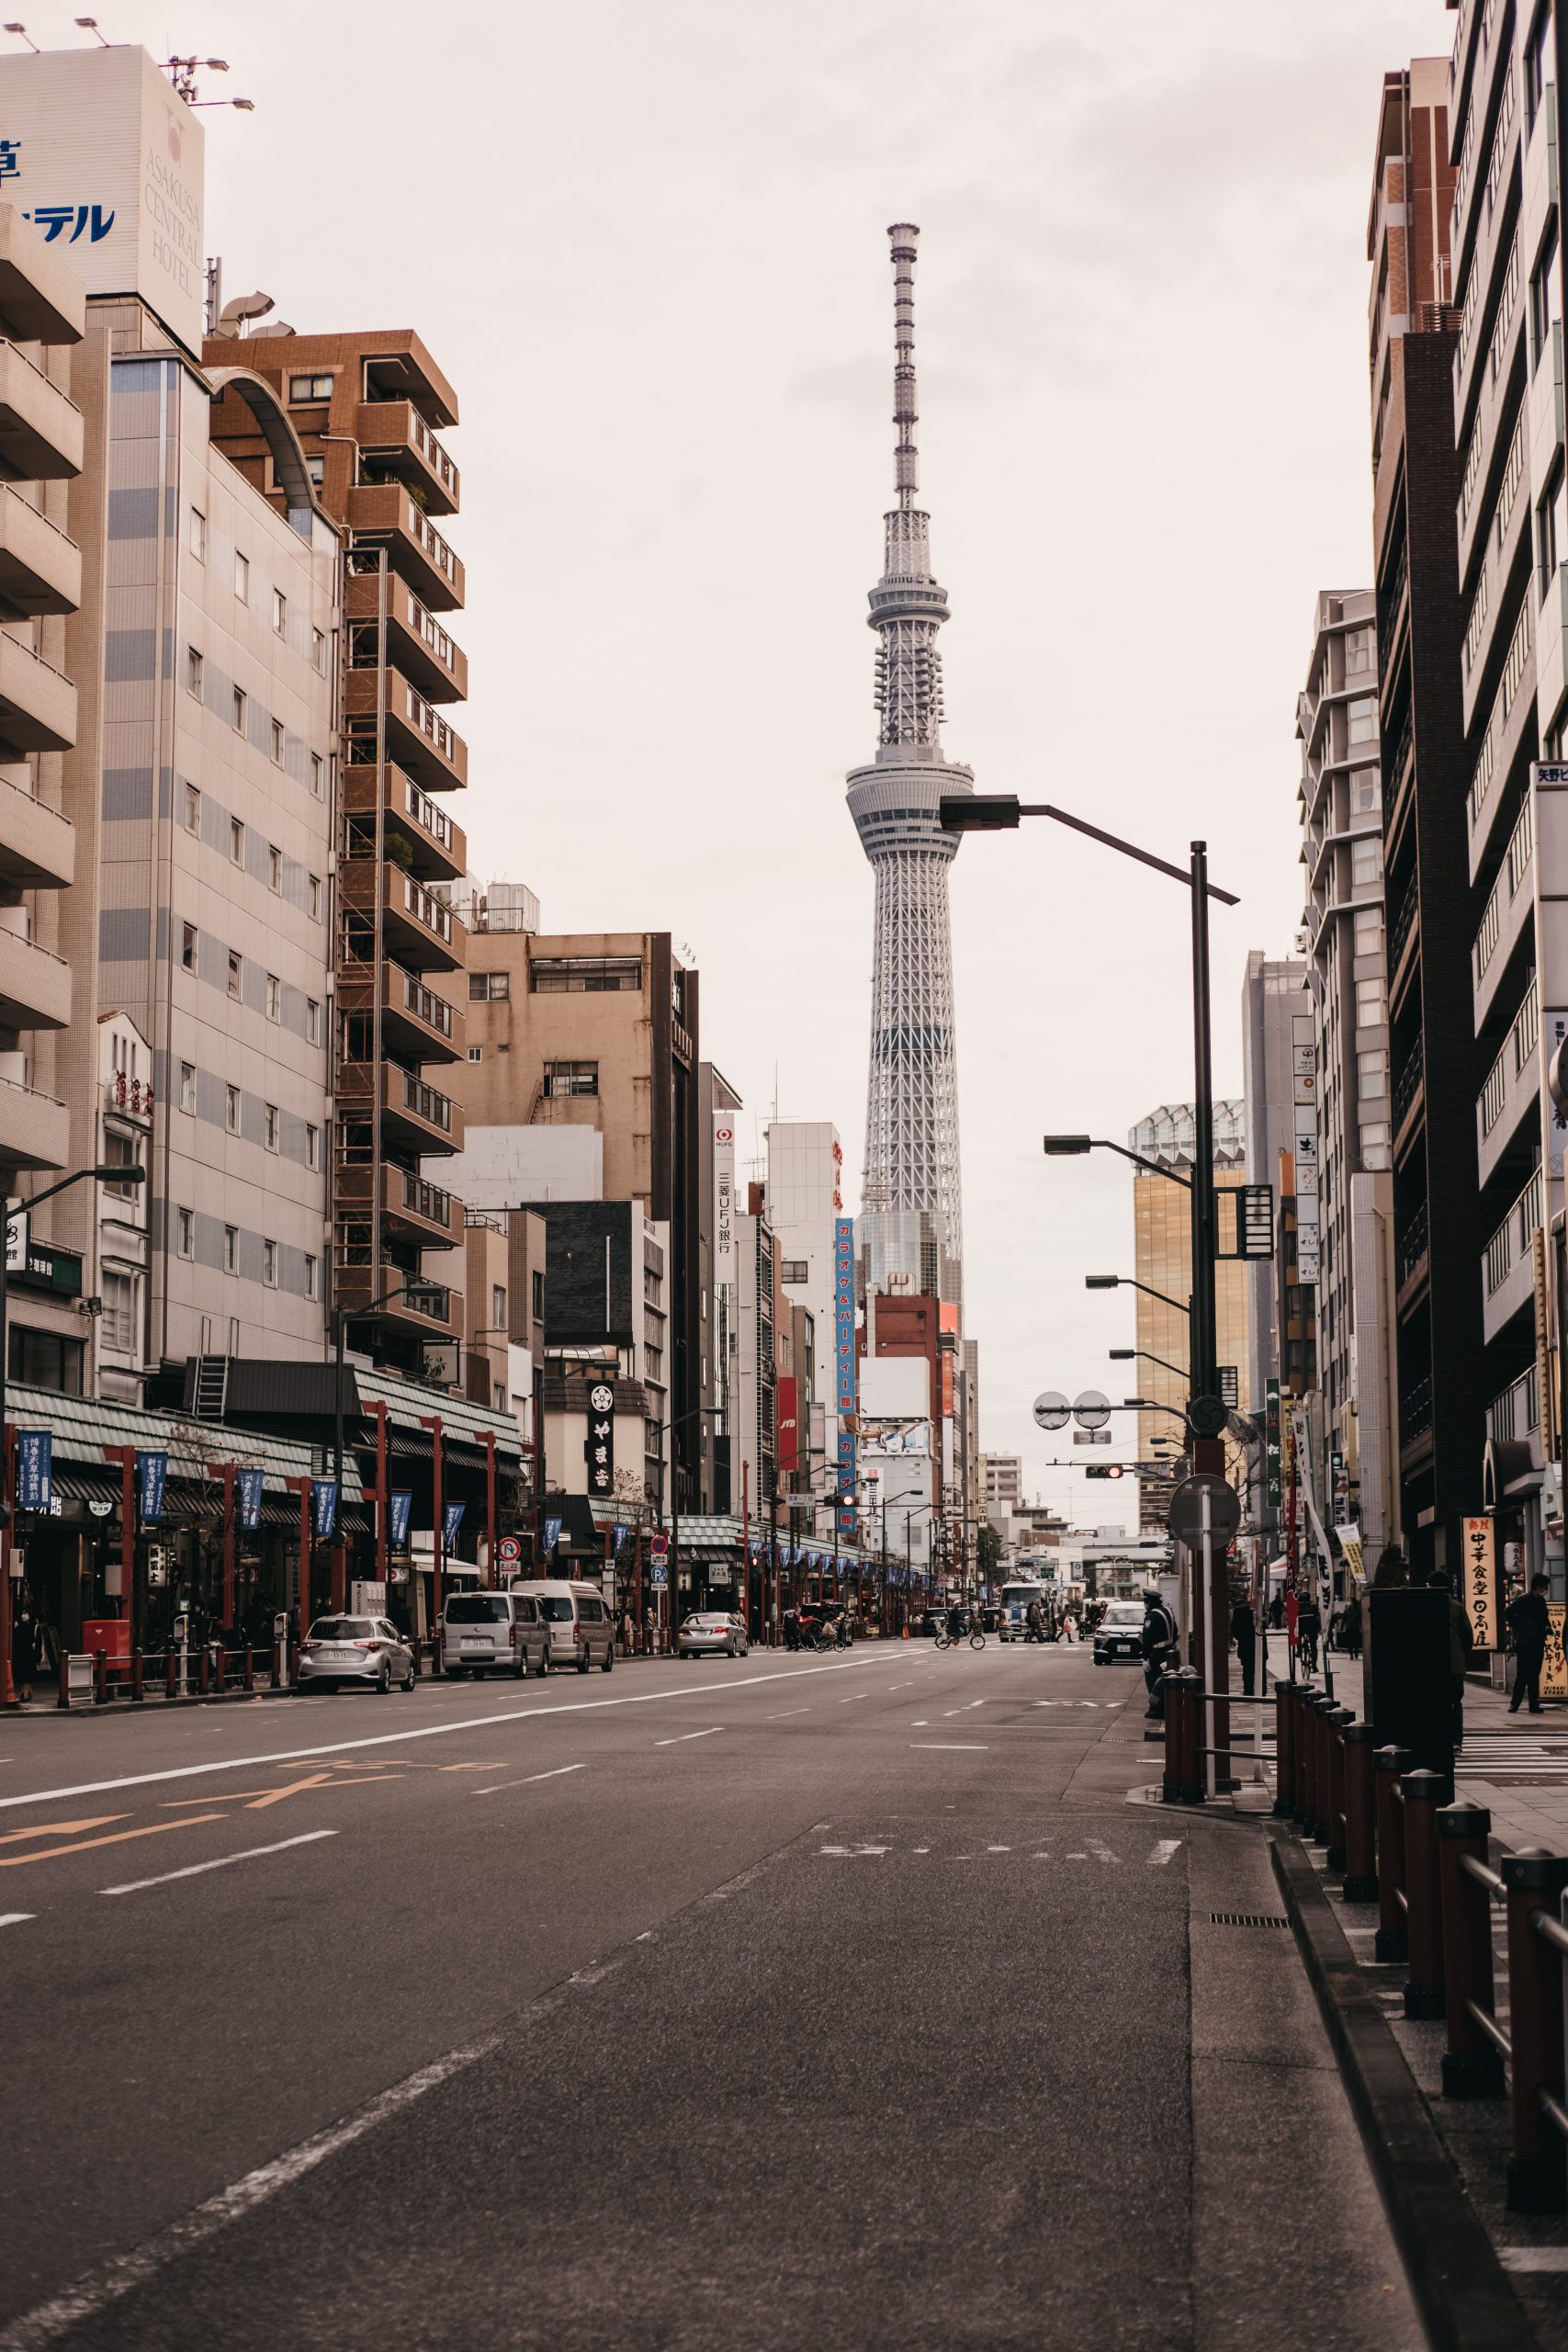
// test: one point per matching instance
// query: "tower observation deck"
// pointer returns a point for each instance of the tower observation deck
(911, 1120)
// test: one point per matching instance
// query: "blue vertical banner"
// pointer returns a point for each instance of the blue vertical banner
(248, 1487)
(844, 1361)
(451, 1521)
(398, 1516)
(552, 1534)
(621, 1534)
(151, 1472)
(35, 1469)
(324, 1504)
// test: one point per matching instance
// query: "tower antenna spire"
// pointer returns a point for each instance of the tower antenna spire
(903, 237)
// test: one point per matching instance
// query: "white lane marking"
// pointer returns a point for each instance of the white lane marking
(1041, 1857)
(900, 1686)
(921, 1849)
(1078, 1857)
(953, 1746)
(1165, 1849)
(527, 1782)
(15, 1918)
(853, 1852)
(427, 1731)
(919, 1724)
(681, 1736)
(195, 1870)
(1101, 1850)
(784, 1712)
(98, 2290)
(976, 1703)
(998, 1849)
(853, 1697)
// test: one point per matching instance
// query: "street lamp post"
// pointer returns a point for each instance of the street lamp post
(412, 1290)
(104, 1174)
(660, 1429)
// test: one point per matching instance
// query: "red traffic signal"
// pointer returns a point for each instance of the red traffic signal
(1103, 1469)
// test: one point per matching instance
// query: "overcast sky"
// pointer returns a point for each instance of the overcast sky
(648, 246)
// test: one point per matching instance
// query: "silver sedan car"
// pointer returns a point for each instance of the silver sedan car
(367, 1650)
(712, 1632)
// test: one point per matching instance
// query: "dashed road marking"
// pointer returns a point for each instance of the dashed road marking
(689, 1735)
(786, 1711)
(1163, 1851)
(195, 1870)
(15, 1918)
(528, 1780)
(950, 1747)
(1102, 1851)
(854, 1852)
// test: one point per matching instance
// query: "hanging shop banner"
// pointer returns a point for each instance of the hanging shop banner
(552, 1533)
(1271, 1442)
(844, 1361)
(35, 1469)
(451, 1521)
(324, 1509)
(1481, 1602)
(248, 1487)
(1554, 1667)
(398, 1518)
(620, 1534)
(151, 1472)
(723, 1197)
(600, 1447)
(754, 1545)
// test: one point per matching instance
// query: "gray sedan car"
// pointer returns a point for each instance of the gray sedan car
(367, 1650)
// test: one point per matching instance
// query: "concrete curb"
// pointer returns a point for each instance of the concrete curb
(1463, 2292)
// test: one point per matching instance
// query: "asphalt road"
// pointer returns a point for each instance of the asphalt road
(785, 2002)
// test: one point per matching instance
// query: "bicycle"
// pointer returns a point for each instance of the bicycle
(950, 1641)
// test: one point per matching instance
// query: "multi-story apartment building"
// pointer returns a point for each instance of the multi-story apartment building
(599, 1032)
(368, 410)
(1340, 806)
(717, 1107)
(805, 1197)
(1273, 999)
(1413, 346)
(1003, 1477)
(754, 1425)
(1162, 1261)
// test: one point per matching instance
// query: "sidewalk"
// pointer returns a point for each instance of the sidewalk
(1516, 1766)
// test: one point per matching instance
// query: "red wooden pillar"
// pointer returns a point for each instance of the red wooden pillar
(487, 1439)
(126, 1456)
(302, 1487)
(225, 1470)
(383, 1501)
(431, 1422)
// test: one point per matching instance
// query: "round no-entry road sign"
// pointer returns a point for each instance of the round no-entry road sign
(1051, 1410)
(1091, 1410)
(1185, 1517)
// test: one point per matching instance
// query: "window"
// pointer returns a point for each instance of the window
(497, 1397)
(312, 1277)
(476, 1053)
(1371, 1073)
(118, 1152)
(1366, 791)
(558, 975)
(236, 842)
(312, 1147)
(269, 1264)
(192, 809)
(1363, 717)
(1366, 859)
(1549, 529)
(198, 535)
(194, 666)
(187, 947)
(1371, 1009)
(231, 1248)
(571, 1078)
(236, 971)
(310, 388)
(312, 1021)
(242, 702)
(1358, 650)
(1375, 1136)
(242, 577)
(1546, 302)
(184, 1232)
(275, 868)
(538, 1297)
(488, 988)
(274, 997)
(45, 1360)
(277, 743)
(365, 646)
(117, 1320)
(1367, 926)
(317, 775)
(498, 1306)
(1538, 66)
(315, 897)
(272, 1127)
(319, 649)
(232, 1109)
(279, 612)
(187, 1087)
(316, 470)
(795, 1270)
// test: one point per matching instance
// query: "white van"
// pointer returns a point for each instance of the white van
(579, 1628)
(484, 1630)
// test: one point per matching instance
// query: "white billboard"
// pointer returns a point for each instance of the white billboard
(107, 162)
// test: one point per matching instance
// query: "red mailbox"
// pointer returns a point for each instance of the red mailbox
(112, 1636)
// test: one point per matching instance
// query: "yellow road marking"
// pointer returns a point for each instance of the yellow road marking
(52, 1853)
(60, 1829)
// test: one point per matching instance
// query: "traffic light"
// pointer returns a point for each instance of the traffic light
(1102, 1469)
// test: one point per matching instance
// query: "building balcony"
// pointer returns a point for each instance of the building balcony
(418, 739)
(396, 444)
(1414, 1259)
(35, 986)
(413, 1209)
(37, 703)
(1507, 1266)
(35, 1130)
(1509, 908)
(438, 848)
(418, 929)
(41, 430)
(416, 643)
(40, 568)
(413, 1115)
(415, 549)
(415, 1019)
(435, 1315)
(41, 298)
(1512, 1092)
(38, 846)
(1513, 1412)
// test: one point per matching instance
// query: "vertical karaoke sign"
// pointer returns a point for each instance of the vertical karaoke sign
(844, 1363)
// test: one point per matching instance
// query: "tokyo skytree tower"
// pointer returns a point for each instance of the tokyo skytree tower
(911, 1115)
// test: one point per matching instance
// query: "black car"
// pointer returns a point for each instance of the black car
(1120, 1633)
(932, 1623)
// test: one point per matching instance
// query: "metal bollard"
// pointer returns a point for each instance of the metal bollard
(1336, 1722)
(220, 1659)
(137, 1691)
(1193, 1779)
(249, 1667)
(204, 1670)
(1285, 1746)
(416, 1645)
(1361, 1816)
(1472, 2066)
(1392, 1941)
(65, 1697)
(1311, 1810)
(1303, 1692)
(1422, 1794)
(1174, 1702)
(100, 1677)
(1533, 1881)
(171, 1673)
(1322, 1710)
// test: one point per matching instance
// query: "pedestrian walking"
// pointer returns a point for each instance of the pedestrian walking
(1390, 1573)
(1462, 1641)
(1069, 1631)
(1243, 1634)
(1309, 1630)
(1353, 1626)
(24, 1646)
(1529, 1623)
(1293, 1617)
(1157, 1639)
(792, 1629)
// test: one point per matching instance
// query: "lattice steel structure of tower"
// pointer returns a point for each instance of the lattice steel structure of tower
(911, 1118)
